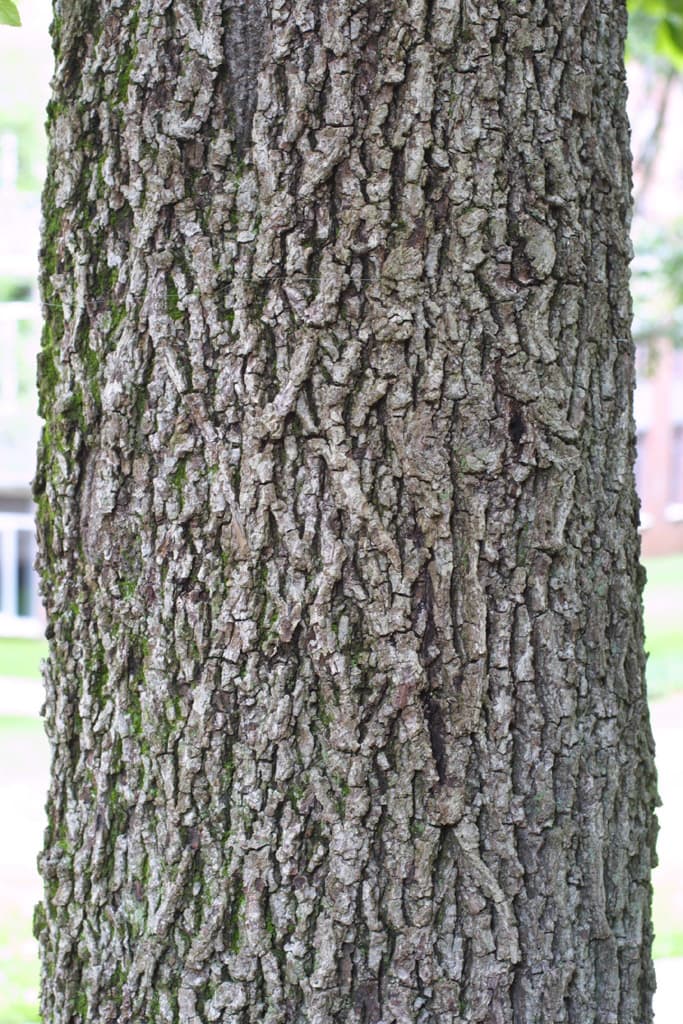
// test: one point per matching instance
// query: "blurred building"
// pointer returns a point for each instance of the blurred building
(656, 112)
(659, 465)
(20, 324)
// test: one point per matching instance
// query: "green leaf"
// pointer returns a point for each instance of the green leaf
(670, 41)
(9, 15)
(656, 32)
(657, 8)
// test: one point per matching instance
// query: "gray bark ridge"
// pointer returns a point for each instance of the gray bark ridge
(338, 528)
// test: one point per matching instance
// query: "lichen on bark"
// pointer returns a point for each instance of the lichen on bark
(337, 518)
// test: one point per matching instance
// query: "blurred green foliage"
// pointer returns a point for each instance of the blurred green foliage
(20, 658)
(664, 638)
(657, 285)
(655, 39)
(9, 15)
(656, 32)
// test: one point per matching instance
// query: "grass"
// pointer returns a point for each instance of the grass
(663, 629)
(19, 971)
(666, 571)
(21, 658)
(668, 941)
(664, 674)
(21, 741)
(19, 727)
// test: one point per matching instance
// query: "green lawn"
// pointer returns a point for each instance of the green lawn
(668, 941)
(665, 572)
(18, 728)
(663, 625)
(24, 760)
(18, 971)
(21, 658)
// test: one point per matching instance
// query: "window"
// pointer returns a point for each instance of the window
(640, 464)
(677, 364)
(19, 343)
(641, 478)
(26, 591)
(18, 590)
(676, 468)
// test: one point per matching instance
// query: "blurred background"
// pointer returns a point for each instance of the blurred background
(655, 73)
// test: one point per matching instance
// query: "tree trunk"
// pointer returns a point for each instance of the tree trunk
(337, 518)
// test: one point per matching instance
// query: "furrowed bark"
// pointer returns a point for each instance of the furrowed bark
(337, 518)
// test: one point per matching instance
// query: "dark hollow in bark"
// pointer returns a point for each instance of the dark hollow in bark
(337, 518)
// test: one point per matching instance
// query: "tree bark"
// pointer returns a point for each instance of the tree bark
(337, 518)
